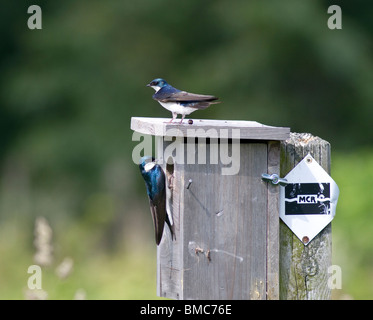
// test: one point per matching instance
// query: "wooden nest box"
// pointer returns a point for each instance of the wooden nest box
(226, 217)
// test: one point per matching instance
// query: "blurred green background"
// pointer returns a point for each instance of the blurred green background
(68, 91)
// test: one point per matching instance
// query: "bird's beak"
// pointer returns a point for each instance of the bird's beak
(148, 85)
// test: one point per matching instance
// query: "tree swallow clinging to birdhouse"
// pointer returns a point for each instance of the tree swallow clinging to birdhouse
(155, 182)
(177, 101)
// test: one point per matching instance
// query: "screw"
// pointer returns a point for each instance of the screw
(305, 239)
(190, 121)
(275, 179)
(309, 160)
(189, 183)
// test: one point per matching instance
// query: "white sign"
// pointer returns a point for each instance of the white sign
(308, 202)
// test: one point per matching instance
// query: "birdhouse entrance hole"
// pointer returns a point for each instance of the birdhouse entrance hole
(170, 171)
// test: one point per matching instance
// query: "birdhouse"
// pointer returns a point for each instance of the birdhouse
(225, 217)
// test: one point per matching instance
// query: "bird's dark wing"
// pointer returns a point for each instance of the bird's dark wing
(184, 96)
(158, 211)
(157, 199)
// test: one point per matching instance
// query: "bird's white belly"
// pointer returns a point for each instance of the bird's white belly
(177, 108)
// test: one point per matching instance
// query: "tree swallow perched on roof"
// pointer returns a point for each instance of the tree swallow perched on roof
(155, 182)
(177, 101)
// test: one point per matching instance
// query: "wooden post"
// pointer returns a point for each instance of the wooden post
(304, 269)
(226, 223)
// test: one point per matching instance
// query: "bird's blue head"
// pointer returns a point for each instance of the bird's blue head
(145, 163)
(157, 84)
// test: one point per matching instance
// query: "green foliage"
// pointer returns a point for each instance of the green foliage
(352, 236)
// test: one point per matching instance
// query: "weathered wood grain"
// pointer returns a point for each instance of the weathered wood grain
(210, 128)
(225, 217)
(273, 223)
(226, 243)
(304, 269)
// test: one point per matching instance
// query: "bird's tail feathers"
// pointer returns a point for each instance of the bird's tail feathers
(171, 227)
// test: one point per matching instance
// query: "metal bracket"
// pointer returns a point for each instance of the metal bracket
(274, 179)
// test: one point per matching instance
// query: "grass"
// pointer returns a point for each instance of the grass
(123, 274)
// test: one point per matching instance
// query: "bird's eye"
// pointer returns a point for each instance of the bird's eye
(154, 83)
